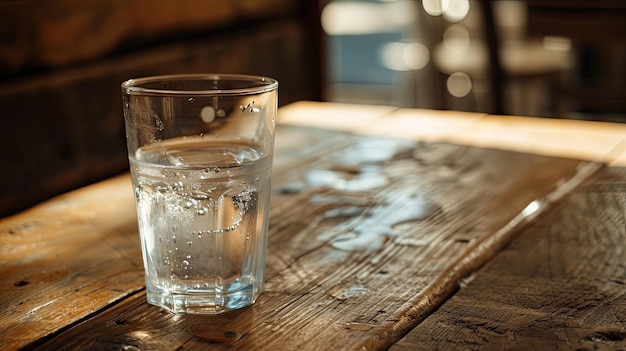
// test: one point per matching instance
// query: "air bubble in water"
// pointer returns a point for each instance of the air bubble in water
(185, 263)
(198, 195)
(201, 211)
(191, 100)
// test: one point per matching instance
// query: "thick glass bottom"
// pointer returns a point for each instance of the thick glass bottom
(205, 303)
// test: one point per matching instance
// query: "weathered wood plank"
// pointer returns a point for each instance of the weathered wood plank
(77, 253)
(67, 258)
(583, 140)
(367, 237)
(558, 286)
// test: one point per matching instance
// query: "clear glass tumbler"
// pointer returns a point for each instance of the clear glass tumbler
(200, 150)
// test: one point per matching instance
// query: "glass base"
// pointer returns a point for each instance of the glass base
(203, 303)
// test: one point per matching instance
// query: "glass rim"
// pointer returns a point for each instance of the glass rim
(258, 84)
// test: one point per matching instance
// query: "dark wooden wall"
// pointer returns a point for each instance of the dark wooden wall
(62, 62)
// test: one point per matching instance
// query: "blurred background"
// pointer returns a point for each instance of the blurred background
(62, 62)
(552, 58)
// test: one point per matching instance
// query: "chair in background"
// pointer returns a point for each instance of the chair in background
(509, 72)
(597, 89)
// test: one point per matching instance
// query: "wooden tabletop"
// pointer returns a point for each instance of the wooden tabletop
(389, 229)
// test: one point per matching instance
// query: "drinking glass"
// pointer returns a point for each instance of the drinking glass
(200, 149)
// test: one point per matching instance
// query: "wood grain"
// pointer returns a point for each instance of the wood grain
(558, 286)
(68, 32)
(66, 259)
(602, 142)
(331, 282)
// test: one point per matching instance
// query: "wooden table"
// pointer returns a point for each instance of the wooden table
(389, 229)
